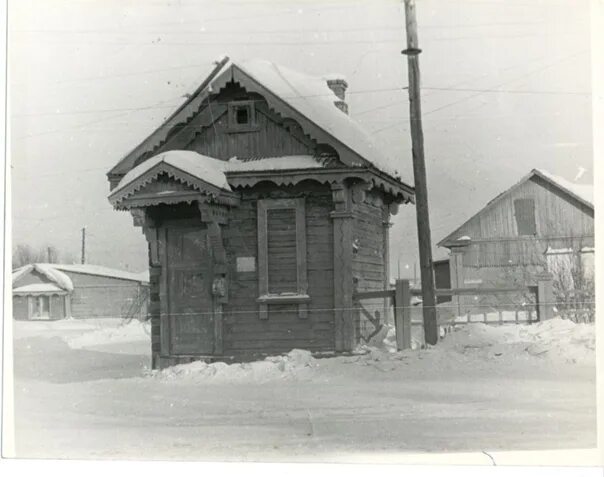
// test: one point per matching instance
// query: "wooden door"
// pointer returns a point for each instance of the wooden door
(189, 288)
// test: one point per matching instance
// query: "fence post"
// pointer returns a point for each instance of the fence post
(402, 314)
(545, 298)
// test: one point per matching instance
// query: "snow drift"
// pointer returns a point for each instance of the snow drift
(294, 365)
(124, 333)
(556, 340)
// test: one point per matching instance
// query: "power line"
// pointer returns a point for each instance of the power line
(507, 91)
(202, 30)
(90, 111)
(493, 89)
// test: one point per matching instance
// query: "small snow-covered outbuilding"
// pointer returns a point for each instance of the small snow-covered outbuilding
(44, 291)
(265, 205)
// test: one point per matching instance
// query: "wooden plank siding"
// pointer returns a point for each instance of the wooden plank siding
(209, 133)
(97, 296)
(497, 255)
(244, 332)
(556, 216)
(369, 257)
(20, 307)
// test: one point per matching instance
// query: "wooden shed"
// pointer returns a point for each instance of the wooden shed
(44, 291)
(264, 206)
(531, 229)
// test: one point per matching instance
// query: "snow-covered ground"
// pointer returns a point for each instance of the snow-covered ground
(83, 389)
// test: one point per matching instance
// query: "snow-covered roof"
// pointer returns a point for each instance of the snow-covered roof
(582, 191)
(311, 97)
(49, 271)
(202, 167)
(100, 271)
(306, 98)
(273, 164)
(34, 288)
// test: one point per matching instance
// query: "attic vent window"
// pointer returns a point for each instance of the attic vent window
(524, 211)
(242, 116)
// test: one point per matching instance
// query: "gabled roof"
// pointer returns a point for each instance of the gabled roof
(582, 193)
(49, 271)
(305, 98)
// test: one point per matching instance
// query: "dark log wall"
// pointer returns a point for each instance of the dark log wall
(369, 256)
(244, 333)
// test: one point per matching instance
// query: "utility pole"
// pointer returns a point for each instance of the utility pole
(83, 245)
(49, 259)
(419, 175)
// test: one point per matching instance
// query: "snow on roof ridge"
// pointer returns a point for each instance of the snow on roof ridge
(101, 270)
(583, 191)
(54, 275)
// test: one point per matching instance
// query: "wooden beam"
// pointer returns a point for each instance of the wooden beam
(545, 298)
(343, 284)
(402, 315)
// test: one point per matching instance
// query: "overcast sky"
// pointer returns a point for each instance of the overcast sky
(506, 88)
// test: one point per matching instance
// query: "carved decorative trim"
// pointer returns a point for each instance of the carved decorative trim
(246, 179)
(118, 198)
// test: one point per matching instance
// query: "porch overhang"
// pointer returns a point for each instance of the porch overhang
(171, 178)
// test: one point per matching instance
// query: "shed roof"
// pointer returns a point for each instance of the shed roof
(99, 270)
(584, 193)
(306, 98)
(55, 273)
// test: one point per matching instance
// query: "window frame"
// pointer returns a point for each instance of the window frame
(300, 297)
(233, 125)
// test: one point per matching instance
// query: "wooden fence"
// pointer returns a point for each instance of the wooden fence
(400, 300)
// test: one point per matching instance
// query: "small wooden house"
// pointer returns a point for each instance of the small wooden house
(540, 224)
(264, 206)
(44, 291)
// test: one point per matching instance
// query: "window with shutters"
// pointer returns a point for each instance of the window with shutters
(524, 211)
(282, 254)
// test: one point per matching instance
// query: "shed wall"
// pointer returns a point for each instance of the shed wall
(498, 256)
(20, 307)
(97, 296)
